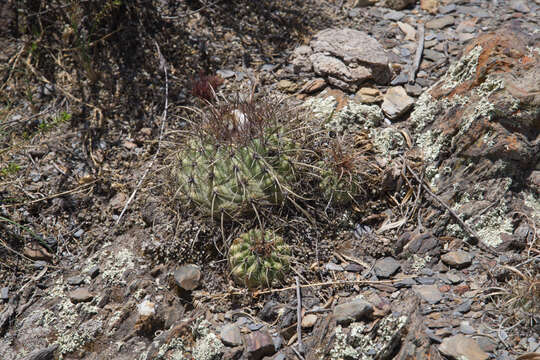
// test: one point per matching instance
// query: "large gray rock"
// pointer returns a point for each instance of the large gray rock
(354, 48)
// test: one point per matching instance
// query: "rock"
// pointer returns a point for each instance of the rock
(233, 354)
(447, 8)
(462, 347)
(367, 95)
(42, 354)
(259, 344)
(4, 294)
(314, 86)
(393, 15)
(230, 335)
(464, 307)
(520, 5)
(440, 22)
(487, 344)
(466, 328)
(352, 311)
(474, 11)
(396, 102)
(408, 30)
(458, 259)
(396, 4)
(450, 131)
(188, 277)
(386, 267)
(80, 295)
(93, 271)
(225, 73)
(35, 251)
(354, 47)
(429, 293)
(75, 280)
(430, 6)
(300, 59)
(309, 321)
(287, 86)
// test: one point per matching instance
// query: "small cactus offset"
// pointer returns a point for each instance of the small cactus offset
(258, 258)
(235, 165)
(339, 174)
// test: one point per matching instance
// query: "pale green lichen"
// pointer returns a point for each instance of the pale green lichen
(363, 343)
(355, 117)
(388, 141)
(419, 262)
(341, 349)
(322, 107)
(489, 225)
(176, 345)
(208, 347)
(116, 265)
(71, 341)
(462, 70)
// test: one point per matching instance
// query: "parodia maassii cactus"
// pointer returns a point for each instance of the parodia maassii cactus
(258, 258)
(231, 179)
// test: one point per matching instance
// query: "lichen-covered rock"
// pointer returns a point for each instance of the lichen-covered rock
(478, 127)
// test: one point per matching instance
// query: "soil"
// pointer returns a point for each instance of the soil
(92, 112)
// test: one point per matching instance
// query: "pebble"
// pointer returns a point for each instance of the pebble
(446, 9)
(440, 22)
(396, 102)
(93, 271)
(333, 267)
(466, 328)
(230, 335)
(425, 280)
(309, 321)
(429, 293)
(458, 259)
(352, 311)
(462, 347)
(75, 280)
(188, 277)
(386, 267)
(259, 344)
(4, 293)
(78, 233)
(393, 15)
(225, 73)
(464, 307)
(80, 295)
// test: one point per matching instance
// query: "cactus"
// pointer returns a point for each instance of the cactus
(258, 258)
(236, 164)
(339, 174)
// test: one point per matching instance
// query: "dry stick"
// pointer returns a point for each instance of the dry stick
(163, 66)
(418, 56)
(299, 316)
(463, 225)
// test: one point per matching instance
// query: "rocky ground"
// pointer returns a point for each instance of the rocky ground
(440, 259)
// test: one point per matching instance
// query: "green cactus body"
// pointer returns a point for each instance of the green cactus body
(341, 189)
(258, 259)
(226, 180)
